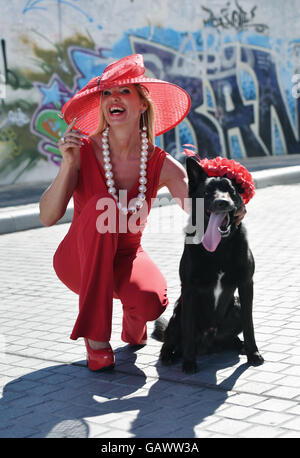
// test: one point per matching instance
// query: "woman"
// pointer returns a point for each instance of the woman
(94, 260)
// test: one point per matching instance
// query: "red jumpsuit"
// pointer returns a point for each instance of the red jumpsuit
(99, 266)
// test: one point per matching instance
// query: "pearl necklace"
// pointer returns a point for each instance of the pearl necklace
(142, 177)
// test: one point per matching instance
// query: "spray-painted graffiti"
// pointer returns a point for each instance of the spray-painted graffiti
(29, 131)
(233, 17)
(296, 86)
(240, 107)
(242, 104)
(35, 5)
(32, 5)
(45, 122)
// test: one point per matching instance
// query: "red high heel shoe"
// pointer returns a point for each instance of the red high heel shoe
(103, 358)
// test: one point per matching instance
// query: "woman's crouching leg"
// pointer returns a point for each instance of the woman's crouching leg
(143, 292)
(97, 240)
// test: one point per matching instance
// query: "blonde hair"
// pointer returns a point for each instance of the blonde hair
(147, 118)
(149, 114)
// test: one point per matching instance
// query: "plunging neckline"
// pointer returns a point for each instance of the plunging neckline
(102, 171)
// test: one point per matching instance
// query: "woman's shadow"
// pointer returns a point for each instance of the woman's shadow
(67, 400)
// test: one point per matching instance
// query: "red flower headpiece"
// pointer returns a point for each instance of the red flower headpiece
(221, 166)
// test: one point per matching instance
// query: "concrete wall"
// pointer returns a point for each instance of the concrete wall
(239, 61)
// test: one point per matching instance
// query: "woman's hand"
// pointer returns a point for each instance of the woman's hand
(69, 146)
(240, 214)
(55, 199)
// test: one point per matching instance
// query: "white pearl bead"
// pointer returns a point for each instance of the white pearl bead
(142, 188)
(112, 190)
(107, 166)
(139, 203)
(143, 166)
(144, 135)
(141, 196)
(143, 173)
(106, 160)
(110, 183)
(143, 180)
(108, 174)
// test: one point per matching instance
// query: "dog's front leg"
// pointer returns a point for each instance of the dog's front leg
(188, 332)
(246, 299)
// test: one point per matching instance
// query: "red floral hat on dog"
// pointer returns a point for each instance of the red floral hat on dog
(172, 103)
(221, 166)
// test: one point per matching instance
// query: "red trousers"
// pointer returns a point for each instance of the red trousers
(99, 266)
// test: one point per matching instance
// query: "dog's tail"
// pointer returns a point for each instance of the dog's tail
(160, 326)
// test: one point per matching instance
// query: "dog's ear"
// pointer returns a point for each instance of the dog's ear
(195, 172)
(239, 191)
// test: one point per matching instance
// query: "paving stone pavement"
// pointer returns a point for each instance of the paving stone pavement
(47, 391)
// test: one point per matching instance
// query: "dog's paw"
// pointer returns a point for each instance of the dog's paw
(160, 326)
(255, 359)
(166, 356)
(189, 367)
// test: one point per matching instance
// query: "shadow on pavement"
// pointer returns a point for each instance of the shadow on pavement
(183, 402)
(67, 400)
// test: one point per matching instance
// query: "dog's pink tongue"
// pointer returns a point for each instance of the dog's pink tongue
(212, 236)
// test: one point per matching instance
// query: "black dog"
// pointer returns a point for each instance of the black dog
(207, 315)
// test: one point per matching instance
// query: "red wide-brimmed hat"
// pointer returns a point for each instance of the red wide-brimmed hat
(172, 103)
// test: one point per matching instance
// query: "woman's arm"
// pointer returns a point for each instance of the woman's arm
(174, 177)
(55, 199)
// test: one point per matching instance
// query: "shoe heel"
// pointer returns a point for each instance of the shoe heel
(102, 359)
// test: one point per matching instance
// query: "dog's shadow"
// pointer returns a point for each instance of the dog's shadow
(69, 401)
(186, 402)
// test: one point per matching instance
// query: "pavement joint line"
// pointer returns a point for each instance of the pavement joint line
(163, 378)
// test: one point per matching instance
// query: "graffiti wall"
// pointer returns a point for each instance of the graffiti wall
(238, 59)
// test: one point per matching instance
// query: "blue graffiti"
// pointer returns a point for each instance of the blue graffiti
(248, 85)
(55, 94)
(32, 5)
(88, 64)
(236, 99)
(51, 94)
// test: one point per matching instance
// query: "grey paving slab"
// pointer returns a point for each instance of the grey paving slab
(48, 392)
